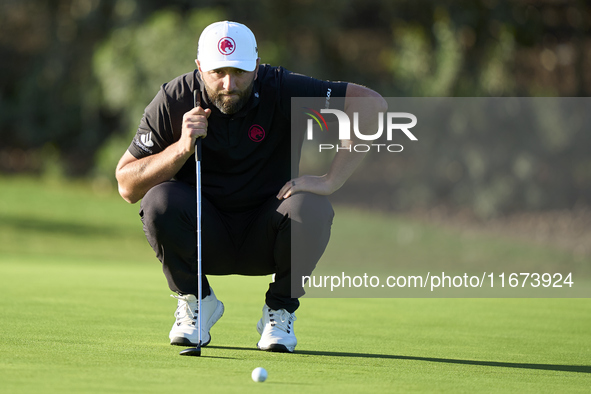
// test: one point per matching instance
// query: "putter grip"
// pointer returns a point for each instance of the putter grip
(197, 103)
(198, 150)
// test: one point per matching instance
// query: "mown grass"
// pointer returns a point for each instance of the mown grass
(84, 308)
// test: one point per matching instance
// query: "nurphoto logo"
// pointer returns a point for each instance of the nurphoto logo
(392, 124)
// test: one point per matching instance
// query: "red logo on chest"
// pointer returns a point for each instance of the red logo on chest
(256, 133)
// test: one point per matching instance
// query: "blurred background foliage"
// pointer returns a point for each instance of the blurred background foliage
(76, 75)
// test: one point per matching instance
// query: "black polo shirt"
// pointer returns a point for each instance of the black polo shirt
(247, 157)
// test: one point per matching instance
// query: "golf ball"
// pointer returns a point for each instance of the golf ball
(259, 374)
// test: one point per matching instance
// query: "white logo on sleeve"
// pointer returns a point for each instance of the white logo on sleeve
(147, 140)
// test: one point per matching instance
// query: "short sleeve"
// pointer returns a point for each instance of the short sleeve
(154, 132)
(298, 85)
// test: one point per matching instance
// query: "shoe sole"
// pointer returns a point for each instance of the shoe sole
(182, 341)
(277, 348)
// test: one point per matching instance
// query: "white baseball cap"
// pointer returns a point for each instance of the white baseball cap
(227, 44)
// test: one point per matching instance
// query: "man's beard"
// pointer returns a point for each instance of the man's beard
(229, 105)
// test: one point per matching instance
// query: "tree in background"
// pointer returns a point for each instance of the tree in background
(76, 75)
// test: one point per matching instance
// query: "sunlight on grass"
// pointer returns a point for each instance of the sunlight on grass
(85, 309)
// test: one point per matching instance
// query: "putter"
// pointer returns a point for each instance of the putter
(196, 351)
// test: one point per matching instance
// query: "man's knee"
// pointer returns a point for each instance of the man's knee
(166, 204)
(310, 208)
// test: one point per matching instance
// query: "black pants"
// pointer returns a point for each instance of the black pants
(261, 241)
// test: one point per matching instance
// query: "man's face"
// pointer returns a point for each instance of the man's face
(228, 88)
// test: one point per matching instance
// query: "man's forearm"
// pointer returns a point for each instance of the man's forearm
(343, 165)
(367, 104)
(136, 177)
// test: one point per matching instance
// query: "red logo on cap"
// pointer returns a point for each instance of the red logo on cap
(226, 46)
(256, 133)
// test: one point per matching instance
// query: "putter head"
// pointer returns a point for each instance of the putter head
(194, 351)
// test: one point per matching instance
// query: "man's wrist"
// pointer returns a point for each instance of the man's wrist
(182, 150)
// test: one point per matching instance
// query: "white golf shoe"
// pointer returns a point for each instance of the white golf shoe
(184, 331)
(276, 329)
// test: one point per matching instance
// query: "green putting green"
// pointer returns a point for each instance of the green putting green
(84, 308)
